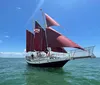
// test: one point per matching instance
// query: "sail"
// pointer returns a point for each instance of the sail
(29, 41)
(59, 49)
(50, 21)
(55, 39)
(39, 39)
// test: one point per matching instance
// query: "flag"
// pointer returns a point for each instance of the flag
(36, 30)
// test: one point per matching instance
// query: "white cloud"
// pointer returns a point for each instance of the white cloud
(12, 54)
(24, 50)
(37, 8)
(18, 8)
(1, 41)
(6, 36)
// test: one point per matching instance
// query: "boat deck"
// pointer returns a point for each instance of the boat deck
(57, 58)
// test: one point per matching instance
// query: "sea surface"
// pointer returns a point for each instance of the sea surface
(15, 71)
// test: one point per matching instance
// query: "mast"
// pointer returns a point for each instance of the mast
(34, 35)
(45, 26)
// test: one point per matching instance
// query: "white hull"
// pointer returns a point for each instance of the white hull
(47, 62)
(55, 59)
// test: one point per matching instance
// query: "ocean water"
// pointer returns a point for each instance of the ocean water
(15, 71)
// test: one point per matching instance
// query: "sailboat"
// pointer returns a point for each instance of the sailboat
(45, 47)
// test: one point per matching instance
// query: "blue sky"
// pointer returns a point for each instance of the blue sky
(80, 21)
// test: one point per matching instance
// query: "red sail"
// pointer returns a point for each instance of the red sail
(39, 40)
(55, 39)
(50, 21)
(59, 49)
(29, 41)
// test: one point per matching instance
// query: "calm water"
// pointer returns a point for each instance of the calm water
(75, 72)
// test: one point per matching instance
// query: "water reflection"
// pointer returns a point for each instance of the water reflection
(46, 76)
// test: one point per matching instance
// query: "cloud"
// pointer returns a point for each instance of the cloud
(6, 36)
(37, 8)
(18, 8)
(1, 41)
(24, 50)
(12, 54)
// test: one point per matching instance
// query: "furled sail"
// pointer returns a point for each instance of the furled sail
(55, 39)
(50, 21)
(29, 41)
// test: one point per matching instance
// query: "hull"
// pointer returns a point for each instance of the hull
(41, 59)
(49, 64)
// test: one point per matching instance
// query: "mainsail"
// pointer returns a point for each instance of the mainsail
(40, 40)
(29, 41)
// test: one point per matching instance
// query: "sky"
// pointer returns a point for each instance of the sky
(79, 20)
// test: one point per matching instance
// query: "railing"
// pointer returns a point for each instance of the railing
(72, 54)
(80, 53)
(44, 60)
